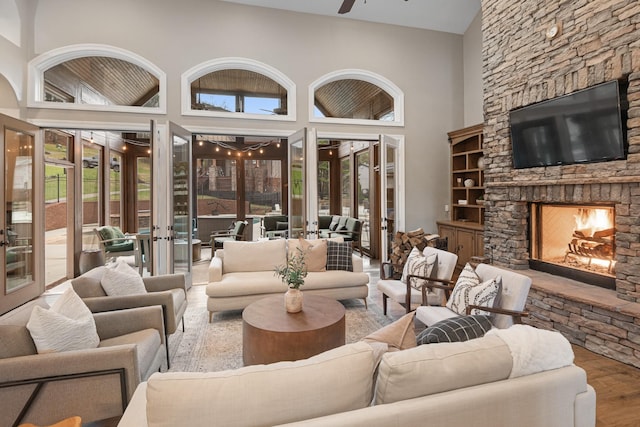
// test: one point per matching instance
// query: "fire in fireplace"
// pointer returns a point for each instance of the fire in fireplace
(577, 241)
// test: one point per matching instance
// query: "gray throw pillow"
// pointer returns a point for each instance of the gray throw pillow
(455, 329)
(339, 256)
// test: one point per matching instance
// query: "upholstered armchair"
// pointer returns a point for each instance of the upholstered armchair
(275, 226)
(511, 300)
(168, 291)
(95, 383)
(406, 294)
(234, 233)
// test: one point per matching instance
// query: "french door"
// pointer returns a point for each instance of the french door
(172, 210)
(21, 242)
(302, 179)
(391, 192)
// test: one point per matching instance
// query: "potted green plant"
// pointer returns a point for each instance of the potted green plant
(293, 274)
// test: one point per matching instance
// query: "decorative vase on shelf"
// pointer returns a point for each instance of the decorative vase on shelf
(469, 182)
(481, 162)
(293, 300)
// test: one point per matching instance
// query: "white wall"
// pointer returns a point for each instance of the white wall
(426, 65)
(473, 97)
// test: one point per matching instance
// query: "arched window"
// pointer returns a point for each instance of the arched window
(356, 96)
(238, 87)
(99, 77)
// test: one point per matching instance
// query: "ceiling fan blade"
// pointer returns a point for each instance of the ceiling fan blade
(346, 6)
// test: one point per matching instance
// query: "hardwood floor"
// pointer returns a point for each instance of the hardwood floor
(617, 388)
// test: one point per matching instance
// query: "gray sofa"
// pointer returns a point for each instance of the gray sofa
(167, 291)
(275, 226)
(448, 384)
(94, 384)
(350, 229)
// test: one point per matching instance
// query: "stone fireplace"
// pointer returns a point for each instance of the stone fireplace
(574, 241)
(598, 42)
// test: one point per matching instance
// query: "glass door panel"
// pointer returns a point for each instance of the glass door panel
(143, 193)
(345, 186)
(388, 193)
(91, 192)
(115, 190)
(17, 247)
(363, 174)
(180, 201)
(58, 239)
(297, 184)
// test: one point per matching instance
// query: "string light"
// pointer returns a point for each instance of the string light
(91, 139)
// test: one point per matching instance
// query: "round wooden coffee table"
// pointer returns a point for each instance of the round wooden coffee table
(270, 334)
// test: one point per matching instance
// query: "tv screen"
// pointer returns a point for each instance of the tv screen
(582, 127)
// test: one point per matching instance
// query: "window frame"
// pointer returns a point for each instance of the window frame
(247, 64)
(369, 77)
(37, 67)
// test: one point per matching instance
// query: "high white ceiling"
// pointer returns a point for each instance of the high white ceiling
(452, 16)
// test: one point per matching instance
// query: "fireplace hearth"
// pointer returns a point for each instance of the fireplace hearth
(575, 241)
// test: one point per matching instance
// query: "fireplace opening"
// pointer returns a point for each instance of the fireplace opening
(574, 241)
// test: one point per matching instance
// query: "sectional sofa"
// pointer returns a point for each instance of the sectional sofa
(483, 382)
(243, 272)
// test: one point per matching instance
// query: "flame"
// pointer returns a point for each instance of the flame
(591, 220)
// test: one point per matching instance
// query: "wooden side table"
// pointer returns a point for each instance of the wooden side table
(270, 334)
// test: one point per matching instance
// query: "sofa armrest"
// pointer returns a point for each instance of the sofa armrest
(215, 269)
(165, 282)
(78, 378)
(357, 263)
(110, 324)
(136, 413)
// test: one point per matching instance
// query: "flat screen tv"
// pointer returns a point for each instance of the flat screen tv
(582, 127)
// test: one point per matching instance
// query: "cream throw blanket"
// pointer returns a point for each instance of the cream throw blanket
(535, 350)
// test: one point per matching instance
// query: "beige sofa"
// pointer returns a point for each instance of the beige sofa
(243, 272)
(470, 383)
(94, 384)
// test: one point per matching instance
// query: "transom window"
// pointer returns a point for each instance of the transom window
(356, 96)
(238, 87)
(96, 77)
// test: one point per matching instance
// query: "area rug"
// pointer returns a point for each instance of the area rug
(216, 346)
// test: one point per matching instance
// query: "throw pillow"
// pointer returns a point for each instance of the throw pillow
(121, 280)
(339, 256)
(469, 291)
(333, 225)
(315, 252)
(67, 325)
(280, 225)
(398, 335)
(420, 266)
(461, 328)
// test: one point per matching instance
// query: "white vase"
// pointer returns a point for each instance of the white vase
(481, 162)
(469, 182)
(293, 300)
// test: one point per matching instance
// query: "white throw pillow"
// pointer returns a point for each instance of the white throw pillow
(420, 266)
(469, 291)
(121, 280)
(67, 325)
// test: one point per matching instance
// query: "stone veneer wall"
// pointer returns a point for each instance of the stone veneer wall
(599, 41)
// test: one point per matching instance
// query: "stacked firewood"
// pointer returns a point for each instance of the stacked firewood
(403, 243)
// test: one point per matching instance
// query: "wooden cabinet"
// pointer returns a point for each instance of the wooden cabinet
(465, 227)
(464, 239)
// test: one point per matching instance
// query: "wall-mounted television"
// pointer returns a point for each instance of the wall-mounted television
(582, 127)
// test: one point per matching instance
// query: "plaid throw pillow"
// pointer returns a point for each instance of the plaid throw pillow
(456, 329)
(339, 256)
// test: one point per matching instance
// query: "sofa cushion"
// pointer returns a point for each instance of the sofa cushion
(339, 256)
(246, 283)
(67, 325)
(264, 394)
(315, 252)
(435, 368)
(281, 225)
(254, 256)
(456, 329)
(468, 290)
(15, 341)
(398, 335)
